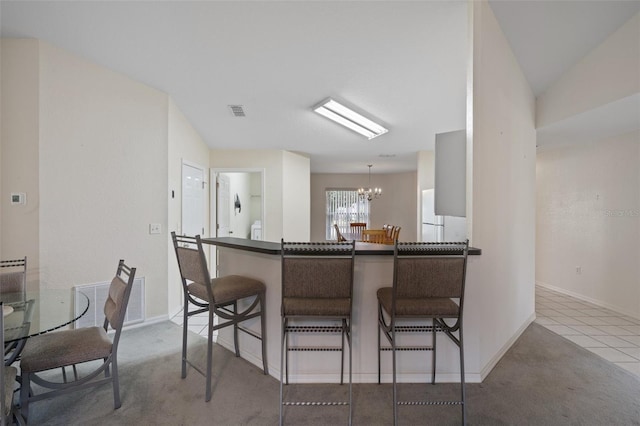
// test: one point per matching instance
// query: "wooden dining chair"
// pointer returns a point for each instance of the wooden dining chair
(357, 227)
(50, 351)
(395, 234)
(377, 236)
(339, 235)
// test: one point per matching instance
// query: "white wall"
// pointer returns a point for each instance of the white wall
(500, 282)
(588, 190)
(588, 216)
(296, 195)
(397, 206)
(608, 73)
(19, 108)
(426, 180)
(255, 200)
(184, 144)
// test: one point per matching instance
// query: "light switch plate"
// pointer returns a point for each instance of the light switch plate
(155, 228)
(18, 198)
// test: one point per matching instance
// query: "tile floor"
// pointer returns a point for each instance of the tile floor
(613, 336)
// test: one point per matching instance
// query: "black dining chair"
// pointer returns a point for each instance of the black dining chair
(78, 346)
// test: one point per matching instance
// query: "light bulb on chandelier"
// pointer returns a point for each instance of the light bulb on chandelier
(370, 193)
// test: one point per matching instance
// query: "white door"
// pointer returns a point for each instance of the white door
(193, 200)
(223, 205)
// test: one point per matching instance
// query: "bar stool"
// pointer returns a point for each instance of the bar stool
(219, 297)
(426, 277)
(317, 290)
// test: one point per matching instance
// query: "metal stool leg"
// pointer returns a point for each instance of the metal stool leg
(185, 320)
(282, 356)
(464, 413)
(433, 352)
(350, 370)
(263, 333)
(209, 356)
(395, 385)
(235, 331)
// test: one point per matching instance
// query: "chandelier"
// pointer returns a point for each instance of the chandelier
(370, 193)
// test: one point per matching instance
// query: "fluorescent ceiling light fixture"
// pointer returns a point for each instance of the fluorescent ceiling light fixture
(349, 118)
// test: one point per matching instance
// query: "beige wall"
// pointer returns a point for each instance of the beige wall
(500, 282)
(103, 176)
(588, 216)
(397, 206)
(95, 142)
(184, 144)
(19, 109)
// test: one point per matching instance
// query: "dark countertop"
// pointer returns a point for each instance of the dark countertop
(268, 247)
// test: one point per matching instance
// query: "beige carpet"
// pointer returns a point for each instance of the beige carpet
(542, 380)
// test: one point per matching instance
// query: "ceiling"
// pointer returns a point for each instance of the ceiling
(403, 63)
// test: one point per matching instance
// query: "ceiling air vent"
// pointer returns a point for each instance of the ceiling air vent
(237, 110)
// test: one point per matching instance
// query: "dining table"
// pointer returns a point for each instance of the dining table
(32, 313)
(358, 236)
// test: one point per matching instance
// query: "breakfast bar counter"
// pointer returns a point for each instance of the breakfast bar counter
(373, 269)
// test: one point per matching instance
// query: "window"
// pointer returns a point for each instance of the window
(343, 207)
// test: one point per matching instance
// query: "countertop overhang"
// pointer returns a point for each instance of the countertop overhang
(268, 247)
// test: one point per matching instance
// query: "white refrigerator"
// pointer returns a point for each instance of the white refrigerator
(440, 228)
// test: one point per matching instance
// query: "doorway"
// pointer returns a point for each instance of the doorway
(193, 199)
(237, 204)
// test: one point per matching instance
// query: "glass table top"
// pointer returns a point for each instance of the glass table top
(39, 312)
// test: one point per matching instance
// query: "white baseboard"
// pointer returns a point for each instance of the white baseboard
(175, 311)
(498, 356)
(147, 321)
(584, 298)
(274, 371)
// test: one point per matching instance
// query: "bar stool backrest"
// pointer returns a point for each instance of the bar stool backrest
(317, 270)
(430, 270)
(192, 261)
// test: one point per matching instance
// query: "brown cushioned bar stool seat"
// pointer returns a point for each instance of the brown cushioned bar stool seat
(228, 289)
(427, 277)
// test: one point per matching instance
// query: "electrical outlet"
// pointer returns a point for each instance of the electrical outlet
(578, 270)
(155, 228)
